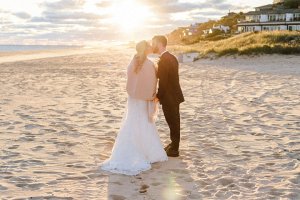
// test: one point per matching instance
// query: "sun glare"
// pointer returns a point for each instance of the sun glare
(129, 15)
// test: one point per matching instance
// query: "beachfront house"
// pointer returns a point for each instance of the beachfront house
(206, 31)
(222, 28)
(191, 30)
(271, 17)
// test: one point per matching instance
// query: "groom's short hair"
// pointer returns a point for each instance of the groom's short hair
(161, 39)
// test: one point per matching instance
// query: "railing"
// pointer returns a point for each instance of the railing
(248, 21)
(277, 20)
(295, 19)
(270, 20)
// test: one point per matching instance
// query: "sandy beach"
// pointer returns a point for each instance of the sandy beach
(60, 114)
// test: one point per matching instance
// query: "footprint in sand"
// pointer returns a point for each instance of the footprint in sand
(74, 178)
(32, 162)
(33, 186)
(9, 155)
(2, 188)
(62, 152)
(17, 122)
(116, 197)
(21, 180)
(76, 165)
(156, 184)
(116, 183)
(37, 148)
(3, 124)
(27, 138)
(48, 130)
(225, 181)
(10, 128)
(13, 147)
(25, 117)
(143, 189)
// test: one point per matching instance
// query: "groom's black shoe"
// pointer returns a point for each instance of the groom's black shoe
(167, 147)
(172, 152)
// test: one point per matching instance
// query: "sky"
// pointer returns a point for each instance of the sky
(87, 22)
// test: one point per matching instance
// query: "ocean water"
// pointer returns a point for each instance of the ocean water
(13, 48)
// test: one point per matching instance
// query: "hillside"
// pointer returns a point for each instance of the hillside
(230, 20)
(281, 42)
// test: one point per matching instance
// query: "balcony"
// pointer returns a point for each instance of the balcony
(295, 19)
(248, 21)
(277, 20)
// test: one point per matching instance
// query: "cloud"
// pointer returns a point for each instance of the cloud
(177, 12)
(22, 15)
(222, 5)
(208, 13)
(3, 11)
(68, 12)
(175, 6)
(104, 4)
(64, 4)
(169, 6)
(54, 17)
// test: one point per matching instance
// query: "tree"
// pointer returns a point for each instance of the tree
(292, 3)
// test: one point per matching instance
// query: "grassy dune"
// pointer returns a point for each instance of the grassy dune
(278, 42)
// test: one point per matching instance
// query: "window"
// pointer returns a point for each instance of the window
(272, 17)
(257, 18)
(266, 28)
(296, 17)
(281, 17)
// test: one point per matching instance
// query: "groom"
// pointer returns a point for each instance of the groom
(169, 91)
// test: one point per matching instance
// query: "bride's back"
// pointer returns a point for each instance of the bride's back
(142, 84)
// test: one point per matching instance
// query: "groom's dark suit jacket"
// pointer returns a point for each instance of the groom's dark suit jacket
(169, 90)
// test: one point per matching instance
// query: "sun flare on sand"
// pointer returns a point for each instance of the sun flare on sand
(129, 15)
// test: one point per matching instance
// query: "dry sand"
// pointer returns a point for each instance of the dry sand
(240, 130)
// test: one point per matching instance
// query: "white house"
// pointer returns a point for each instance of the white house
(206, 31)
(271, 17)
(223, 28)
(191, 30)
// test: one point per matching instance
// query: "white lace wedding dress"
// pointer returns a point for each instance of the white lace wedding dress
(137, 144)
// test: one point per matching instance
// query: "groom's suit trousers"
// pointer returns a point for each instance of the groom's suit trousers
(172, 115)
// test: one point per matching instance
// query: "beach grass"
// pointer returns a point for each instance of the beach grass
(254, 43)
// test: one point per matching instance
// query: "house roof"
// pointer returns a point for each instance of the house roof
(265, 6)
(277, 11)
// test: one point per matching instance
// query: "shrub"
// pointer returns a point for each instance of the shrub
(230, 51)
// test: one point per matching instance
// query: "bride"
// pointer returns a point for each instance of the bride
(138, 144)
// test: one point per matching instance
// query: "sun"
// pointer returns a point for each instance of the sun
(129, 15)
